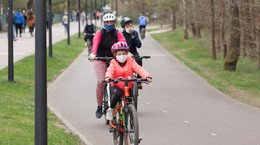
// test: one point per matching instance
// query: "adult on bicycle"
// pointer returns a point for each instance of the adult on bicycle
(122, 66)
(102, 43)
(133, 41)
(88, 32)
(141, 22)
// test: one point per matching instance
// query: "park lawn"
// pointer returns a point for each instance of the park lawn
(242, 85)
(17, 99)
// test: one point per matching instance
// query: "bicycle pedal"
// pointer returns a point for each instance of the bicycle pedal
(140, 139)
(111, 129)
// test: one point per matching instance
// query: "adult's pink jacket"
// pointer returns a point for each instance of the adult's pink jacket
(97, 39)
(115, 71)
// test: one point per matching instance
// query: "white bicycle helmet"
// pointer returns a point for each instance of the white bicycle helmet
(109, 17)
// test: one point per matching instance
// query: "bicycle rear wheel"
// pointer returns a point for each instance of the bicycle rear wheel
(117, 134)
(131, 136)
(105, 105)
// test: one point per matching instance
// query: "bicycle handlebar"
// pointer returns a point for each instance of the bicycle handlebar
(138, 80)
(103, 58)
(110, 58)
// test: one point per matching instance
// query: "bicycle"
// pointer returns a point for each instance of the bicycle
(107, 92)
(135, 86)
(88, 41)
(125, 121)
(142, 33)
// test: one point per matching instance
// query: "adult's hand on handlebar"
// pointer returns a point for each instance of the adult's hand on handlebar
(149, 80)
(92, 56)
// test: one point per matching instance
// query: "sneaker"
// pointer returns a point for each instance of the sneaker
(15, 39)
(109, 115)
(86, 44)
(140, 86)
(99, 112)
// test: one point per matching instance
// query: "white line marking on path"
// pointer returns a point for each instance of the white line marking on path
(164, 111)
(148, 103)
(185, 121)
(213, 134)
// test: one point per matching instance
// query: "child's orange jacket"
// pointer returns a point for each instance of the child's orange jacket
(114, 71)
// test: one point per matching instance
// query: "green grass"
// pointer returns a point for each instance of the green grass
(17, 99)
(154, 29)
(243, 84)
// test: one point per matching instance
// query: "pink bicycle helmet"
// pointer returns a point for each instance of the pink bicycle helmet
(119, 46)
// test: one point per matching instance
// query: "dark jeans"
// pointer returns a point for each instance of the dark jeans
(18, 26)
(116, 95)
(31, 29)
(90, 37)
(140, 28)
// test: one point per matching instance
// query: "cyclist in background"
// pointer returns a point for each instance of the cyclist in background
(102, 43)
(89, 30)
(122, 66)
(133, 41)
(141, 22)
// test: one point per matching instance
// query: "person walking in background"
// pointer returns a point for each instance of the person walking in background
(83, 17)
(74, 14)
(19, 22)
(25, 21)
(65, 20)
(6, 19)
(31, 22)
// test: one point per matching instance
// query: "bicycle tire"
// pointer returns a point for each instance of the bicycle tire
(89, 47)
(105, 106)
(135, 95)
(117, 134)
(131, 123)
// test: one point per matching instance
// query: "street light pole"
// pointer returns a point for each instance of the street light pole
(116, 8)
(79, 17)
(10, 42)
(95, 13)
(68, 28)
(40, 75)
(50, 28)
(91, 4)
(86, 10)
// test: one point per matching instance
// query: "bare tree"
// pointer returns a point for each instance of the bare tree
(213, 30)
(233, 50)
(185, 19)
(223, 40)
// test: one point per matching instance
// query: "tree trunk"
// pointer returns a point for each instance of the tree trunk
(213, 30)
(248, 29)
(258, 36)
(233, 51)
(243, 43)
(185, 20)
(173, 18)
(223, 40)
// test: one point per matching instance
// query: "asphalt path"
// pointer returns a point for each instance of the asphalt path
(178, 108)
(25, 45)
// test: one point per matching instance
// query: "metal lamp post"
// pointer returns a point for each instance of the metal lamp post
(40, 75)
(50, 28)
(68, 27)
(10, 42)
(79, 16)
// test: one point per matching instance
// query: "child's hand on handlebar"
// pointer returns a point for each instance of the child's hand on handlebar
(107, 80)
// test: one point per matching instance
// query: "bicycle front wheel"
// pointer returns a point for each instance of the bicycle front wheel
(105, 105)
(135, 94)
(131, 135)
(117, 134)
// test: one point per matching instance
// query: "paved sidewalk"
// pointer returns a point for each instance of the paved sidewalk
(25, 45)
(178, 108)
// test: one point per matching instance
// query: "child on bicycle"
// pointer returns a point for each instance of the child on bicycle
(122, 66)
(133, 41)
(102, 43)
